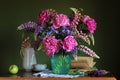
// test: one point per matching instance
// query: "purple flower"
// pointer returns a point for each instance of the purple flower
(49, 33)
(54, 30)
(58, 32)
(38, 30)
(29, 26)
(60, 20)
(43, 16)
(75, 50)
(66, 31)
(88, 51)
(50, 30)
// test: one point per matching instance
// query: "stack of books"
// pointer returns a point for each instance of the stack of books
(83, 63)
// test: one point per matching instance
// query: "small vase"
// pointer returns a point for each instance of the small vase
(60, 63)
(29, 59)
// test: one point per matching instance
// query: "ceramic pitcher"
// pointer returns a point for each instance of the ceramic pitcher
(29, 59)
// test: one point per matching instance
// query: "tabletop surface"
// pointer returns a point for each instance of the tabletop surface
(22, 75)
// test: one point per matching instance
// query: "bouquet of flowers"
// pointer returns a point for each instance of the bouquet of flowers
(55, 32)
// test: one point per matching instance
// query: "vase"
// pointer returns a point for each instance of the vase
(29, 59)
(60, 63)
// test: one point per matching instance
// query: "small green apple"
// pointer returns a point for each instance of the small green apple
(13, 69)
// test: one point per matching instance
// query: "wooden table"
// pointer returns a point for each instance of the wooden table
(81, 78)
(28, 76)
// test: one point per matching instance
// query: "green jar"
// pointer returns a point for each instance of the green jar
(60, 63)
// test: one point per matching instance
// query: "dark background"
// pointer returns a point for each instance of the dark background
(15, 12)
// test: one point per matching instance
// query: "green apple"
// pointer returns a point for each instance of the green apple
(13, 69)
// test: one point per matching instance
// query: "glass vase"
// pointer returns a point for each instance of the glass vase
(60, 63)
(29, 59)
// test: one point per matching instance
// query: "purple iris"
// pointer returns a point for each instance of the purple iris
(54, 30)
(66, 31)
(51, 30)
(75, 50)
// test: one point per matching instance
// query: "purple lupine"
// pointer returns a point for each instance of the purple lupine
(76, 17)
(29, 26)
(38, 30)
(84, 37)
(81, 35)
(88, 51)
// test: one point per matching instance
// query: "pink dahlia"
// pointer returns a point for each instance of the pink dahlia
(91, 24)
(43, 16)
(69, 43)
(60, 20)
(51, 45)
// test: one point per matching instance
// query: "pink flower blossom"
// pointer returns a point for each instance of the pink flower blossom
(60, 20)
(43, 16)
(51, 45)
(91, 24)
(85, 19)
(69, 43)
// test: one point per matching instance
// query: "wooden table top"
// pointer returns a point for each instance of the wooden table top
(38, 78)
(29, 76)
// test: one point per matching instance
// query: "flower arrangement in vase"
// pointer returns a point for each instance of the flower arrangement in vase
(59, 34)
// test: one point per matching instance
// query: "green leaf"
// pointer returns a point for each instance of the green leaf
(73, 9)
(94, 68)
(92, 39)
(81, 9)
(40, 47)
(78, 41)
(88, 42)
(83, 26)
(23, 35)
(43, 33)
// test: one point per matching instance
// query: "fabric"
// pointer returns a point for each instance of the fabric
(46, 74)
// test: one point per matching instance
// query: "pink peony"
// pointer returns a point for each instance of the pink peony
(43, 16)
(60, 20)
(91, 24)
(69, 43)
(85, 19)
(51, 45)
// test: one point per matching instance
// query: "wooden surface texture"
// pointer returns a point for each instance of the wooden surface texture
(81, 78)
